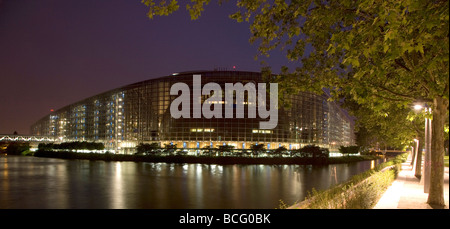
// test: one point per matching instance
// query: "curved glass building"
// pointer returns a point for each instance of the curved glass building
(140, 113)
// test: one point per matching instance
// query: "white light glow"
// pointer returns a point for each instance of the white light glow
(418, 107)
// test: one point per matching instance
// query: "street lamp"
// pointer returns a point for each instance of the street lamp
(425, 179)
(427, 164)
(418, 107)
(415, 153)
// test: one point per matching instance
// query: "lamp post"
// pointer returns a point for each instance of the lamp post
(415, 154)
(427, 164)
(425, 179)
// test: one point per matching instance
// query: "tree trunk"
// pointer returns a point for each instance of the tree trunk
(436, 194)
(414, 154)
(418, 164)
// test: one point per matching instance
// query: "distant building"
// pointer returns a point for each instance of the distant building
(140, 113)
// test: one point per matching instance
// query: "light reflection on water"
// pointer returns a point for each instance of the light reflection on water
(29, 182)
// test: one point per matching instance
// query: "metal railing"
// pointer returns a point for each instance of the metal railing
(26, 138)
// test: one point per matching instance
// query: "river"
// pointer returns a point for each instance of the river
(48, 183)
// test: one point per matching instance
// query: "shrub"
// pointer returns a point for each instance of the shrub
(347, 150)
(362, 191)
(16, 148)
(144, 148)
(72, 146)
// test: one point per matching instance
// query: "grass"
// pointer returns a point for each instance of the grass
(446, 161)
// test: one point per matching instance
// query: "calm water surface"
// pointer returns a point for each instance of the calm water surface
(31, 182)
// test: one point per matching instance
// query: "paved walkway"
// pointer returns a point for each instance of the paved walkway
(406, 192)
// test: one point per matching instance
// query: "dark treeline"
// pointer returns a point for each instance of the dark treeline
(17, 148)
(203, 159)
(223, 154)
(72, 146)
(309, 151)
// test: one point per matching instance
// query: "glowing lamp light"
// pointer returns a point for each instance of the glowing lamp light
(51, 110)
(418, 107)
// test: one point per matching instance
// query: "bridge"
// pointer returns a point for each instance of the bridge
(26, 138)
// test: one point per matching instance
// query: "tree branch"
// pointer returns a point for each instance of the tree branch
(391, 99)
(397, 61)
(406, 97)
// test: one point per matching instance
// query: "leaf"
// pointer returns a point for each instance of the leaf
(387, 36)
(375, 20)
(385, 47)
(419, 48)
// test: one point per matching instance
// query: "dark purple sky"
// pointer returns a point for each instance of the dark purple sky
(56, 52)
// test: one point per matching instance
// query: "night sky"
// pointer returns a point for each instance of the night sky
(57, 52)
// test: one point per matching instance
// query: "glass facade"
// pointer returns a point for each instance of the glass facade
(140, 113)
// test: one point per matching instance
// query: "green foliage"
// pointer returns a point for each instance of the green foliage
(208, 150)
(170, 148)
(311, 151)
(161, 9)
(362, 191)
(280, 151)
(257, 148)
(145, 148)
(181, 157)
(389, 46)
(27, 153)
(314, 151)
(380, 54)
(44, 146)
(225, 149)
(347, 150)
(396, 128)
(16, 148)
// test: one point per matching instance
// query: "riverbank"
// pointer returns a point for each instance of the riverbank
(221, 160)
(362, 191)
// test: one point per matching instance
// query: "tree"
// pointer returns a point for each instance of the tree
(44, 146)
(396, 128)
(170, 148)
(225, 148)
(16, 148)
(391, 129)
(310, 151)
(379, 52)
(257, 148)
(314, 152)
(145, 148)
(280, 150)
(99, 146)
(347, 150)
(208, 150)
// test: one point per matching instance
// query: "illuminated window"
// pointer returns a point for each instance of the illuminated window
(216, 102)
(202, 130)
(256, 131)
